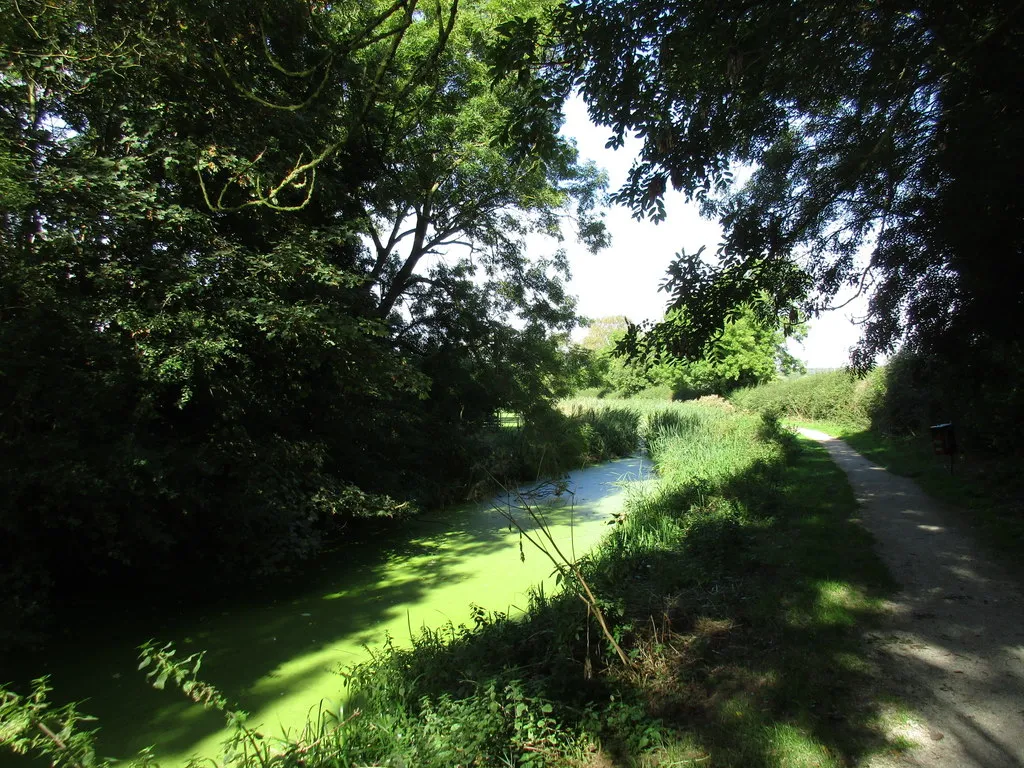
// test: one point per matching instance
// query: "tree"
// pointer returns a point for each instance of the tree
(446, 215)
(745, 353)
(192, 378)
(606, 369)
(202, 369)
(891, 127)
(451, 187)
(603, 332)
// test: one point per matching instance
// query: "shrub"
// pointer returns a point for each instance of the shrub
(912, 392)
(551, 442)
(837, 396)
(982, 395)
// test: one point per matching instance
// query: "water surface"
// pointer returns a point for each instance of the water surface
(278, 657)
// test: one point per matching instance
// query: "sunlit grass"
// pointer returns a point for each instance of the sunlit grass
(788, 746)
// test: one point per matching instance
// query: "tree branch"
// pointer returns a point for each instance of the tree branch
(417, 252)
(269, 104)
(273, 61)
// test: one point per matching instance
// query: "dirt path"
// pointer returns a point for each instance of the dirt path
(954, 641)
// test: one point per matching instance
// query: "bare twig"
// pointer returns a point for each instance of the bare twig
(549, 547)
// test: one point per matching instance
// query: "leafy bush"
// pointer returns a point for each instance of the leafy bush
(982, 396)
(838, 396)
(549, 443)
(908, 395)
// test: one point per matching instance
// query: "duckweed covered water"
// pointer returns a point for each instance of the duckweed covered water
(280, 658)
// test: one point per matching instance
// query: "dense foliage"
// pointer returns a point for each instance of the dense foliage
(744, 353)
(905, 397)
(209, 359)
(884, 142)
(834, 396)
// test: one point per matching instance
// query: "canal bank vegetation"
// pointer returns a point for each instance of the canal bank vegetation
(737, 588)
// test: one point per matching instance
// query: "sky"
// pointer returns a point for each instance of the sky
(624, 279)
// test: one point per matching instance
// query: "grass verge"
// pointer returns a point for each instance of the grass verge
(988, 491)
(738, 589)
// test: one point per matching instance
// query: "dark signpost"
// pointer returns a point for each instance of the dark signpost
(944, 442)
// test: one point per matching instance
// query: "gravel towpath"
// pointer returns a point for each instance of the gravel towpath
(953, 640)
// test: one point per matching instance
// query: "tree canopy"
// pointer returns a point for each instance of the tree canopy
(449, 184)
(892, 129)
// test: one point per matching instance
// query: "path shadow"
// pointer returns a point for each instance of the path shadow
(954, 640)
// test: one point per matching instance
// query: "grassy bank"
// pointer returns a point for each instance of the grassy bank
(885, 418)
(736, 590)
(984, 491)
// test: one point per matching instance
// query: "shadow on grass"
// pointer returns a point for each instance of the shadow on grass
(744, 630)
